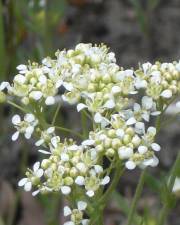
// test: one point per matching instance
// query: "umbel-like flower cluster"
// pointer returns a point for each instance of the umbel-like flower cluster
(107, 94)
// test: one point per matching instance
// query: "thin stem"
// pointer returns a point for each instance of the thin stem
(2, 46)
(55, 114)
(16, 106)
(69, 131)
(136, 197)
(84, 125)
(118, 173)
(166, 209)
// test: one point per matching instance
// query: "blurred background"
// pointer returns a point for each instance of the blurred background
(137, 31)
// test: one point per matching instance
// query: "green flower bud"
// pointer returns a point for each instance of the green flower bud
(68, 181)
(111, 133)
(110, 152)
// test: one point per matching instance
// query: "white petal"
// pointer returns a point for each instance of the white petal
(64, 157)
(97, 118)
(27, 135)
(39, 173)
(142, 149)
(156, 147)
(40, 142)
(81, 106)
(65, 190)
(36, 95)
(147, 102)
(90, 193)
(166, 94)
(137, 107)
(125, 152)
(4, 85)
(30, 130)
(146, 67)
(28, 186)
(59, 83)
(21, 67)
(69, 223)
(50, 130)
(81, 205)
(20, 79)
(156, 113)
(50, 100)
(35, 192)
(44, 152)
(73, 148)
(15, 136)
(85, 222)
(36, 166)
(67, 211)
(131, 121)
(79, 180)
(81, 167)
(43, 79)
(88, 142)
(29, 118)
(152, 130)
(22, 182)
(68, 86)
(130, 165)
(98, 169)
(54, 141)
(105, 180)
(16, 119)
(120, 133)
(155, 161)
(140, 128)
(110, 104)
(178, 104)
(116, 89)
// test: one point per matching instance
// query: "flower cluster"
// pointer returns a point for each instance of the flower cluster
(90, 78)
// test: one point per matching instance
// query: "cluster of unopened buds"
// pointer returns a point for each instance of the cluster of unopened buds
(120, 104)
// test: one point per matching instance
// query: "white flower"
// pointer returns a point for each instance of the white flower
(26, 182)
(47, 135)
(26, 126)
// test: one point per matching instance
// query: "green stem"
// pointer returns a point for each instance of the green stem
(2, 46)
(69, 131)
(166, 208)
(118, 173)
(84, 125)
(16, 106)
(97, 216)
(55, 114)
(136, 197)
